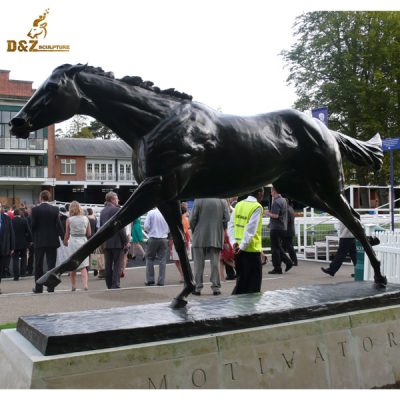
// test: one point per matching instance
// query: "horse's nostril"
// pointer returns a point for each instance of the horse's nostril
(17, 122)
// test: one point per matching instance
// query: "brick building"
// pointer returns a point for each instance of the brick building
(25, 164)
(85, 169)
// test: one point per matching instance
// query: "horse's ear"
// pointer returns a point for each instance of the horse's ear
(74, 69)
(67, 70)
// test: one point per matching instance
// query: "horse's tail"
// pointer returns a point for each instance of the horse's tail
(361, 153)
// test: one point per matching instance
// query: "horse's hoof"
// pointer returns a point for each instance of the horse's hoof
(380, 282)
(51, 280)
(379, 286)
(178, 303)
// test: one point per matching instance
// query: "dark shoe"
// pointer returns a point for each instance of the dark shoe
(327, 271)
(36, 291)
(295, 264)
(50, 290)
(373, 240)
(196, 293)
(149, 283)
(288, 267)
(216, 293)
(16, 279)
(95, 272)
(160, 284)
(275, 271)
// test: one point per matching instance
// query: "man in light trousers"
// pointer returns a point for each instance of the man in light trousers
(157, 246)
(208, 221)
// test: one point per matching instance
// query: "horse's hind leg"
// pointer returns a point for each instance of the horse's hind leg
(296, 187)
(345, 213)
(171, 211)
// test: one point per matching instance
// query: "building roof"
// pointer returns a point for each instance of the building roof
(93, 148)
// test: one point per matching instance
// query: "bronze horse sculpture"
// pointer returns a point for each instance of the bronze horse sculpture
(183, 149)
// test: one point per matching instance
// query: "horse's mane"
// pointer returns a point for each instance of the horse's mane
(138, 81)
(130, 80)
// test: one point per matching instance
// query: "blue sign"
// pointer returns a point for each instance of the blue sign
(391, 144)
(321, 113)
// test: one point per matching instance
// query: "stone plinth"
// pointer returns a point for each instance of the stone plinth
(319, 345)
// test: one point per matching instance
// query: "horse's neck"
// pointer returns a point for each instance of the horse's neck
(130, 111)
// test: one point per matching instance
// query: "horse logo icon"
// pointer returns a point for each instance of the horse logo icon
(39, 27)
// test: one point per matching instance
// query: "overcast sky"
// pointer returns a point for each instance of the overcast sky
(224, 53)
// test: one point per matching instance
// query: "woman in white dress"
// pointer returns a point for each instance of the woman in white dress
(76, 233)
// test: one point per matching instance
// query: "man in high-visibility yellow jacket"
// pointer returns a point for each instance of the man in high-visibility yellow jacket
(245, 235)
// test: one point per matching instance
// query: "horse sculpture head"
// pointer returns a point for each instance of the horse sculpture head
(56, 100)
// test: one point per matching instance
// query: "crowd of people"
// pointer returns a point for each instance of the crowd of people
(227, 232)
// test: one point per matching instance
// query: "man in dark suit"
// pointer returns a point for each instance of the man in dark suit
(46, 231)
(113, 247)
(23, 239)
(7, 240)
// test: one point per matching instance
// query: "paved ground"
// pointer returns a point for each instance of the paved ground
(18, 300)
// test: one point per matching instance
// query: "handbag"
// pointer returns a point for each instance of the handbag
(97, 260)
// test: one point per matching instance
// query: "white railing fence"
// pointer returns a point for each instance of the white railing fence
(317, 238)
(388, 252)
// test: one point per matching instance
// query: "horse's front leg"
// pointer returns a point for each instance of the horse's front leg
(171, 211)
(143, 199)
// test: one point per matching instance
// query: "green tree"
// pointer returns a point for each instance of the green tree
(99, 130)
(77, 123)
(85, 132)
(349, 62)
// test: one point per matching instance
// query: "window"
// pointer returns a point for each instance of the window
(110, 175)
(103, 176)
(68, 166)
(99, 171)
(125, 171)
(5, 117)
(89, 171)
(35, 141)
